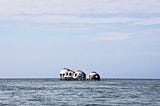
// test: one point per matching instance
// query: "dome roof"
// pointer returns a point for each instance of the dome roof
(63, 71)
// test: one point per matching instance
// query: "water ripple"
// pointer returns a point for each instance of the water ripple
(109, 92)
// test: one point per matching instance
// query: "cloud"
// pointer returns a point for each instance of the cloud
(147, 21)
(78, 6)
(47, 13)
(112, 37)
(71, 19)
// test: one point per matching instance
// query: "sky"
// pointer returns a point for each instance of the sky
(116, 38)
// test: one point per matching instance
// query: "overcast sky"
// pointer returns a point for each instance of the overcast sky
(116, 38)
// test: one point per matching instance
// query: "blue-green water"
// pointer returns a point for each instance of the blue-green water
(52, 92)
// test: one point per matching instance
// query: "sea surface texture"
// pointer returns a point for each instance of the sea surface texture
(53, 92)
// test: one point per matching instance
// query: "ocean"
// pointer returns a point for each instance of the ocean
(53, 92)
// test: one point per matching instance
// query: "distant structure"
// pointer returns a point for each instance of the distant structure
(79, 75)
(93, 76)
(68, 74)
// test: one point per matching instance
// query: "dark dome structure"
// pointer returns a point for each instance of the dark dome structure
(93, 76)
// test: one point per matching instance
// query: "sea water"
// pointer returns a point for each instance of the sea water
(53, 92)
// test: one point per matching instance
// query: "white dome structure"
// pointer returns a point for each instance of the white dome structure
(79, 75)
(66, 74)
